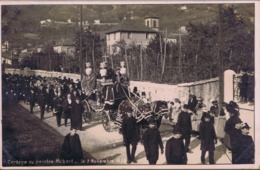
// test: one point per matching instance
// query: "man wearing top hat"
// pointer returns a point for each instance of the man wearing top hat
(152, 141)
(144, 98)
(175, 152)
(130, 135)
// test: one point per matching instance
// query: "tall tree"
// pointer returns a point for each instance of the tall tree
(92, 46)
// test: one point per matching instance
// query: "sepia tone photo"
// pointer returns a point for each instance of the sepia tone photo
(128, 85)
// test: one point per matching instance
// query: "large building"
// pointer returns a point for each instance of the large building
(135, 31)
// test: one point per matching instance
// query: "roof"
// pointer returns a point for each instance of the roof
(151, 16)
(131, 25)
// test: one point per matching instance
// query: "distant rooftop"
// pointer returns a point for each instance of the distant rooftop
(151, 16)
(131, 25)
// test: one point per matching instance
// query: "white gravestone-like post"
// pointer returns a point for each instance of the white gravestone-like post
(228, 85)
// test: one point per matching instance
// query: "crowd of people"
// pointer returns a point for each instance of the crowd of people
(63, 97)
(193, 119)
(209, 126)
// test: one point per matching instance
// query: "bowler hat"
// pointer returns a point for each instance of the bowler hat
(245, 125)
(185, 106)
(214, 102)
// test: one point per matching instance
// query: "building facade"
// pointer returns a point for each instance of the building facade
(132, 31)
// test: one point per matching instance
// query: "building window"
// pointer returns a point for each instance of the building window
(147, 36)
(129, 35)
(147, 23)
(154, 24)
(114, 36)
(108, 37)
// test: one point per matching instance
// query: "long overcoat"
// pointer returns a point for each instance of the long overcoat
(130, 130)
(152, 141)
(207, 136)
(184, 123)
(76, 115)
(71, 148)
(246, 150)
(175, 151)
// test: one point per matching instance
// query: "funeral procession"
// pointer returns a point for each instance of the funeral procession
(128, 85)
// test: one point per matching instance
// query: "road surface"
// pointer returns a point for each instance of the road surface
(100, 147)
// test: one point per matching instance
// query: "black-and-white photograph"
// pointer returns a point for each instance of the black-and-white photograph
(128, 85)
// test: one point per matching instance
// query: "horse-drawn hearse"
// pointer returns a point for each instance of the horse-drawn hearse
(112, 98)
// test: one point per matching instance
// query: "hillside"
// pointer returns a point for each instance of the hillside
(18, 20)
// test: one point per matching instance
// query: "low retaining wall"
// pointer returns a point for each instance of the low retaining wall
(42, 73)
(207, 89)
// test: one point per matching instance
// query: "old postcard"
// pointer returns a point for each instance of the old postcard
(129, 84)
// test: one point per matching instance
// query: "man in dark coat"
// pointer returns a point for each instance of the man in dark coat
(184, 123)
(192, 103)
(175, 152)
(152, 140)
(67, 108)
(58, 100)
(42, 101)
(32, 99)
(233, 130)
(208, 139)
(130, 135)
(214, 109)
(244, 86)
(76, 114)
(71, 148)
(50, 97)
(246, 146)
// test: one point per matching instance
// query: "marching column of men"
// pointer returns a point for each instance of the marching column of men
(49, 96)
(212, 124)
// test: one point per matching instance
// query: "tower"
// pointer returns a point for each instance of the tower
(152, 21)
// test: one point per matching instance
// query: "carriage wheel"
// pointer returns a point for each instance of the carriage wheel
(106, 121)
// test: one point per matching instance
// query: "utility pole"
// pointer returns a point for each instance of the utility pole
(161, 52)
(141, 60)
(220, 58)
(164, 58)
(180, 56)
(93, 53)
(80, 46)
(126, 60)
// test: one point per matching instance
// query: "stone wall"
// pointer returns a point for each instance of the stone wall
(43, 73)
(207, 89)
